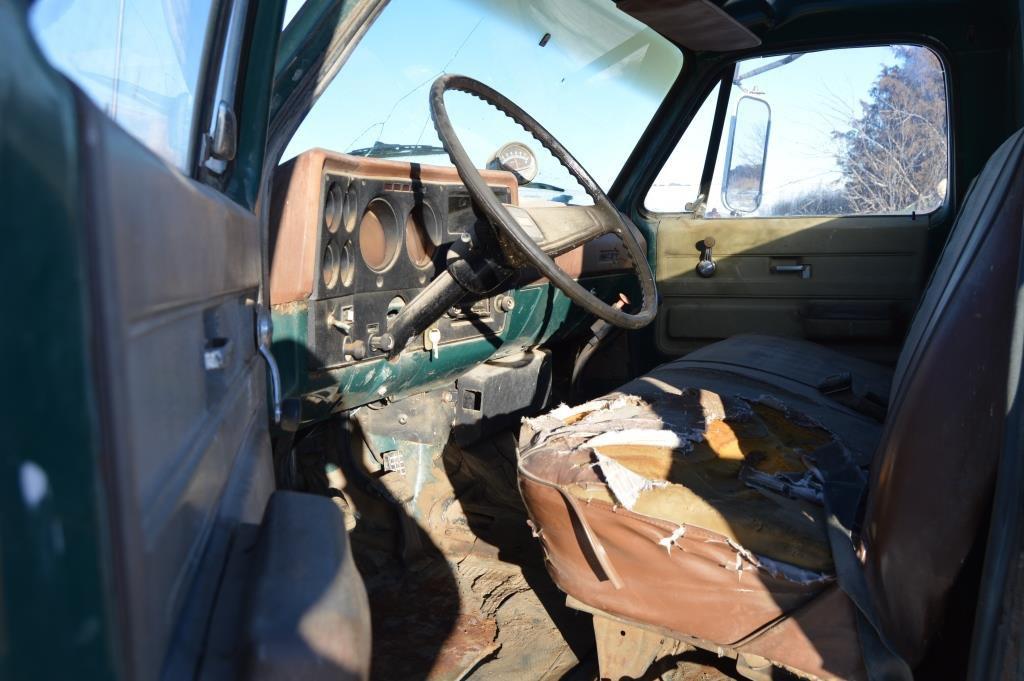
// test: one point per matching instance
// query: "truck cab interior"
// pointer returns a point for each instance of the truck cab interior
(476, 339)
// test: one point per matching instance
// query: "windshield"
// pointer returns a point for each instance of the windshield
(592, 75)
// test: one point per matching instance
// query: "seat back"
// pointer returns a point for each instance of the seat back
(933, 471)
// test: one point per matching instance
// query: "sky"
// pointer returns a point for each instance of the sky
(595, 84)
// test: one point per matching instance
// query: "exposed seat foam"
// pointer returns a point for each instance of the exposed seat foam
(689, 454)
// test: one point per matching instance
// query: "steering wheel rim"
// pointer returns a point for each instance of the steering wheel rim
(500, 217)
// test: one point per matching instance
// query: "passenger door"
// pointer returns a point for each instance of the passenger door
(818, 179)
(174, 271)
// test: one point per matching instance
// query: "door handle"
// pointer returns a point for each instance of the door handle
(264, 337)
(804, 270)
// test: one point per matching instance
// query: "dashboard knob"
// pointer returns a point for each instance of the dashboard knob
(383, 343)
(355, 349)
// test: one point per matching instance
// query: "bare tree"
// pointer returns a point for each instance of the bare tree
(893, 156)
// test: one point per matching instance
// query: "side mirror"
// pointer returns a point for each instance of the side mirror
(745, 155)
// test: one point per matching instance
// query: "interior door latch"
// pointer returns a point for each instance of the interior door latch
(803, 269)
(706, 266)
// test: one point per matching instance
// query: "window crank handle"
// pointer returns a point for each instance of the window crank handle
(706, 266)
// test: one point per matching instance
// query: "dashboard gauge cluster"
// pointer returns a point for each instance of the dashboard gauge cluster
(380, 241)
(377, 235)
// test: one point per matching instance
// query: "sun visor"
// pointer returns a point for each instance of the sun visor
(698, 25)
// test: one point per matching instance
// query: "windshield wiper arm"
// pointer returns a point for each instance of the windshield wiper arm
(544, 185)
(384, 150)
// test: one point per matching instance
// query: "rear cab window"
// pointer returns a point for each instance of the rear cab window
(849, 131)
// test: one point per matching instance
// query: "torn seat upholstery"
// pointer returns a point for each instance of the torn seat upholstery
(687, 502)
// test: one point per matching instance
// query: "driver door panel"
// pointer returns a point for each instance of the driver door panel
(175, 268)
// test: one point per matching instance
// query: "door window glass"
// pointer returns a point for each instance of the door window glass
(678, 183)
(138, 60)
(852, 131)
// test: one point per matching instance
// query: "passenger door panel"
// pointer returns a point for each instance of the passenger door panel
(865, 275)
(819, 177)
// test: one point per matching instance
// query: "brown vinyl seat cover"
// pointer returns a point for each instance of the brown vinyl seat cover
(683, 500)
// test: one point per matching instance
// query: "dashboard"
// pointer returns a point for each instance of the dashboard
(355, 239)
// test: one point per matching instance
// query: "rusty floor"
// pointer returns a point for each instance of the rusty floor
(460, 592)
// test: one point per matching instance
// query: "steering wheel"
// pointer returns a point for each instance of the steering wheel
(535, 237)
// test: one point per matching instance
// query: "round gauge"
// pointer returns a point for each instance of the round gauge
(348, 208)
(332, 207)
(519, 159)
(379, 237)
(330, 267)
(347, 266)
(418, 228)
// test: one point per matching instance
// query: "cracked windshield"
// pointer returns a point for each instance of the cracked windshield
(591, 75)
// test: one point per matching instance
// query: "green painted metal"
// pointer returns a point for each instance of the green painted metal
(56, 617)
(311, 35)
(257, 73)
(541, 314)
(305, 37)
(313, 46)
